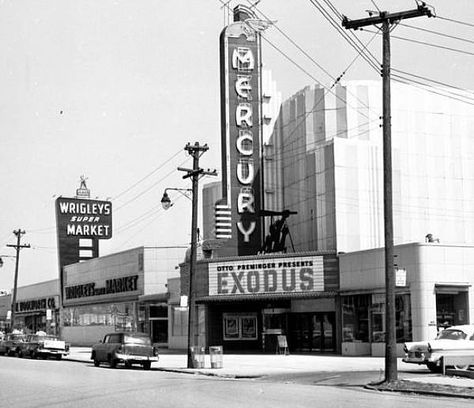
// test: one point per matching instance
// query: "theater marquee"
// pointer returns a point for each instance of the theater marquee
(265, 276)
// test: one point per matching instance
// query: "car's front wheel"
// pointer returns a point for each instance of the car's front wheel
(146, 365)
(33, 354)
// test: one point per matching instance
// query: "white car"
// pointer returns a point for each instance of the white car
(453, 340)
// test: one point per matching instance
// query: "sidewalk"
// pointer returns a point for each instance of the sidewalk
(268, 365)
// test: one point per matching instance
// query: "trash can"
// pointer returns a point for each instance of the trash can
(215, 353)
(198, 354)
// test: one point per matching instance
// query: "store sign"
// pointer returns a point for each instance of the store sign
(31, 305)
(84, 218)
(240, 59)
(270, 275)
(400, 277)
(112, 286)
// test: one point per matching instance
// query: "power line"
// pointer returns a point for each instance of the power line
(433, 80)
(148, 175)
(370, 58)
(426, 43)
(427, 88)
(455, 21)
(148, 189)
(436, 33)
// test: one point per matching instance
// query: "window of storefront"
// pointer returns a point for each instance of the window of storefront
(179, 318)
(240, 327)
(363, 318)
(355, 318)
(122, 316)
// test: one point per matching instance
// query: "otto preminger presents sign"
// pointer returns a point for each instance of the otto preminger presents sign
(84, 218)
(271, 275)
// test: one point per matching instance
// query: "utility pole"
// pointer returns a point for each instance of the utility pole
(388, 20)
(18, 247)
(196, 151)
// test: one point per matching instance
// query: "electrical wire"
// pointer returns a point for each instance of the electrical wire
(424, 43)
(148, 175)
(334, 79)
(351, 38)
(149, 188)
(455, 21)
(436, 33)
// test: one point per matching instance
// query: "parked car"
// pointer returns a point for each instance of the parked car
(43, 346)
(453, 340)
(125, 347)
(11, 343)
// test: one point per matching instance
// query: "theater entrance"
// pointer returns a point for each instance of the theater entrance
(312, 332)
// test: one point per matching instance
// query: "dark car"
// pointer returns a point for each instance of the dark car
(11, 344)
(43, 346)
(125, 347)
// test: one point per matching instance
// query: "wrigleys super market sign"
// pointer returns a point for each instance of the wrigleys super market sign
(269, 275)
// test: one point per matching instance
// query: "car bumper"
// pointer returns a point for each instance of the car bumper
(135, 358)
(52, 352)
(414, 360)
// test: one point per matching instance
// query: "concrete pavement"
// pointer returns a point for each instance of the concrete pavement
(268, 365)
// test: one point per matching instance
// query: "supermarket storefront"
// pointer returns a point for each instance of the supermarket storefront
(101, 296)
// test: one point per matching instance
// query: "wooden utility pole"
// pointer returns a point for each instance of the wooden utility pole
(18, 247)
(196, 151)
(387, 20)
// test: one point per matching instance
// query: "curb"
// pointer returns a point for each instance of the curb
(185, 371)
(450, 391)
(209, 374)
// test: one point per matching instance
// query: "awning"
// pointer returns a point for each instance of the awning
(255, 297)
(451, 289)
(155, 297)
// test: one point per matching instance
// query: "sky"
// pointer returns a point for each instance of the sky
(115, 89)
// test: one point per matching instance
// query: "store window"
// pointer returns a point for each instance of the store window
(355, 318)
(364, 318)
(179, 326)
(121, 316)
(240, 327)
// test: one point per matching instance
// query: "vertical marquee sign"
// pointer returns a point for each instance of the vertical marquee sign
(80, 224)
(241, 130)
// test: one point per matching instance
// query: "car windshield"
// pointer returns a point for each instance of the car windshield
(142, 340)
(17, 336)
(43, 338)
(451, 335)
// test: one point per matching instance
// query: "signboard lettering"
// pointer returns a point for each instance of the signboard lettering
(272, 276)
(84, 218)
(116, 285)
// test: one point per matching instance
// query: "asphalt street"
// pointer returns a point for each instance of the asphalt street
(27, 383)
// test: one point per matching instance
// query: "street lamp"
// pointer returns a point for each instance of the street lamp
(166, 200)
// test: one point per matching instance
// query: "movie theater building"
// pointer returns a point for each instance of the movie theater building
(37, 307)
(245, 303)
(124, 291)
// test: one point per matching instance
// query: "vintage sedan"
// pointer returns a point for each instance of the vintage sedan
(125, 347)
(451, 341)
(43, 346)
(11, 343)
